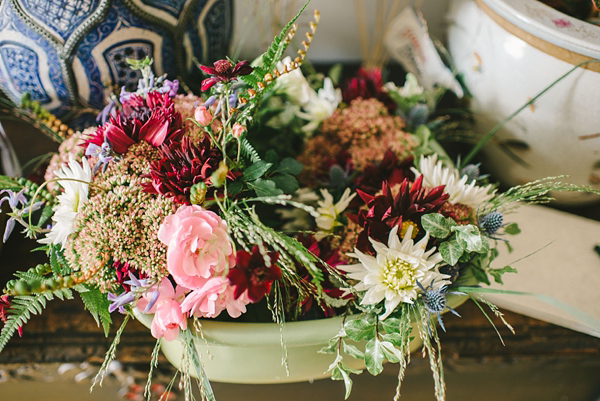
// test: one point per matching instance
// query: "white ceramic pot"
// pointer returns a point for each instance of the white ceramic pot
(251, 353)
(508, 52)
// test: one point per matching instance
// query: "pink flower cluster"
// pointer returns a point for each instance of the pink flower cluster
(199, 255)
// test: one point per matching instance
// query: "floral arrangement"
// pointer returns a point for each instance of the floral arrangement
(167, 208)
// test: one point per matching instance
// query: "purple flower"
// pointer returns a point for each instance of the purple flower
(170, 87)
(104, 154)
(14, 200)
(106, 112)
(119, 301)
(136, 288)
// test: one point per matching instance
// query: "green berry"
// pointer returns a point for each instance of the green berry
(21, 288)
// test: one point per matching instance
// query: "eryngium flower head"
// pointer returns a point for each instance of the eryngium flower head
(386, 211)
(181, 166)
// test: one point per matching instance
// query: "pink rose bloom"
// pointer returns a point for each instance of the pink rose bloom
(198, 245)
(168, 316)
(214, 297)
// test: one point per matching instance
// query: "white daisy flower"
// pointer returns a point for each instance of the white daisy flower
(294, 84)
(393, 273)
(70, 201)
(329, 212)
(320, 106)
(435, 174)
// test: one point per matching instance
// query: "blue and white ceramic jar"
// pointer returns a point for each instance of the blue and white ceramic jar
(63, 51)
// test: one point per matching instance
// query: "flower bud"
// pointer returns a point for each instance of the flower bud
(203, 116)
(238, 130)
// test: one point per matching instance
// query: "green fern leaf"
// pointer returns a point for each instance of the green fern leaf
(97, 304)
(249, 152)
(23, 306)
(29, 276)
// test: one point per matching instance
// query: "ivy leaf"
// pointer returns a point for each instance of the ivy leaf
(265, 188)
(469, 237)
(437, 225)
(353, 351)
(286, 182)
(374, 357)
(497, 273)
(392, 325)
(396, 339)
(512, 229)
(342, 372)
(391, 353)
(256, 170)
(358, 329)
(290, 166)
(451, 251)
(330, 348)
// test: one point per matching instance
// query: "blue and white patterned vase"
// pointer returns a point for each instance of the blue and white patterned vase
(63, 51)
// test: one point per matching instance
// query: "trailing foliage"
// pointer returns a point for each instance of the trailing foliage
(23, 306)
(110, 354)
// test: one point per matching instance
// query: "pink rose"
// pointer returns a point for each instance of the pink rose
(168, 316)
(203, 116)
(214, 297)
(198, 245)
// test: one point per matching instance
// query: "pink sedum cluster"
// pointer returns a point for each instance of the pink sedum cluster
(199, 255)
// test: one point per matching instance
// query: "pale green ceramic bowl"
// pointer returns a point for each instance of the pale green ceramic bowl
(251, 353)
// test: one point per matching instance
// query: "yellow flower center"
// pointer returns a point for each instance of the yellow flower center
(404, 229)
(398, 275)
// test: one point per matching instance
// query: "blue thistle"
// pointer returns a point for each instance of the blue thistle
(435, 303)
(491, 222)
(471, 171)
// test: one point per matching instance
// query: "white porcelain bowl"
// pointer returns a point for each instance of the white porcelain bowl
(510, 50)
(251, 353)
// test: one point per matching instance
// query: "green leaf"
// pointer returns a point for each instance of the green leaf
(353, 351)
(358, 329)
(286, 182)
(97, 304)
(481, 275)
(331, 347)
(256, 170)
(437, 225)
(395, 338)
(392, 325)
(468, 237)
(451, 251)
(497, 273)
(374, 357)
(272, 157)
(512, 229)
(340, 373)
(290, 166)
(391, 353)
(234, 188)
(265, 188)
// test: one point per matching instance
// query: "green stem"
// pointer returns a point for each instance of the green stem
(477, 148)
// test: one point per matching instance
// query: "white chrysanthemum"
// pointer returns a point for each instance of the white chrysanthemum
(435, 174)
(70, 201)
(411, 87)
(293, 84)
(393, 273)
(330, 211)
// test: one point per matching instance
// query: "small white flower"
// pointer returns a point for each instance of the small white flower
(293, 84)
(329, 212)
(393, 273)
(70, 201)
(435, 174)
(411, 87)
(320, 106)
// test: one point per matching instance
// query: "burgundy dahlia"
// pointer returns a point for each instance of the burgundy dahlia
(367, 84)
(390, 169)
(152, 119)
(181, 166)
(385, 211)
(252, 274)
(224, 71)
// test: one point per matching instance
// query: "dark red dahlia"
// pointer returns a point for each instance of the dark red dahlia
(367, 84)
(390, 169)
(4, 307)
(252, 274)
(224, 71)
(386, 211)
(182, 165)
(152, 119)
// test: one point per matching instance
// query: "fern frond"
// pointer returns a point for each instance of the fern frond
(97, 304)
(23, 306)
(249, 152)
(29, 276)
